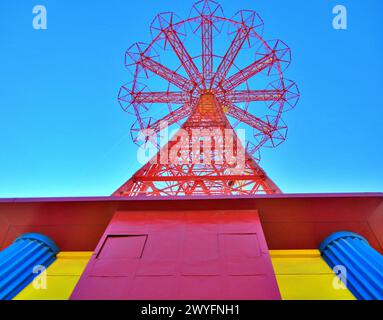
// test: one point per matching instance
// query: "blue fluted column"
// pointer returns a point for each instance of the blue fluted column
(362, 263)
(18, 261)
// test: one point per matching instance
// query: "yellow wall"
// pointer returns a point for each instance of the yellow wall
(301, 275)
(62, 277)
(304, 275)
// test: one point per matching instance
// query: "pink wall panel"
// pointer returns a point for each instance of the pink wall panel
(162, 255)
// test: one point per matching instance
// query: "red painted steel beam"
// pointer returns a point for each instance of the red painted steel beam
(255, 95)
(250, 119)
(202, 178)
(228, 60)
(182, 54)
(160, 97)
(171, 118)
(250, 71)
(207, 50)
(167, 74)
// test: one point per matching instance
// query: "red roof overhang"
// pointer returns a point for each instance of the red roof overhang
(290, 221)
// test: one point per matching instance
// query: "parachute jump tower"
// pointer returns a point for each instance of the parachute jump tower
(221, 76)
(200, 220)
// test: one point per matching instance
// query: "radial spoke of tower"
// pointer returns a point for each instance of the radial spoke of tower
(255, 95)
(251, 120)
(207, 50)
(182, 54)
(170, 119)
(160, 97)
(250, 71)
(228, 60)
(167, 74)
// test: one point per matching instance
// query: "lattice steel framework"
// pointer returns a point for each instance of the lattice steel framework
(211, 94)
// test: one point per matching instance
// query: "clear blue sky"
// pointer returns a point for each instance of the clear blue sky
(64, 134)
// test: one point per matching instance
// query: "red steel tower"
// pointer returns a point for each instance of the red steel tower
(206, 94)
